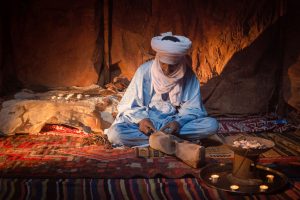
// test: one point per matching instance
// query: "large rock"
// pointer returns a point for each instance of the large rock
(1, 53)
(91, 110)
(249, 83)
(29, 116)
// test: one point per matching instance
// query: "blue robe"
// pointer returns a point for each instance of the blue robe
(140, 101)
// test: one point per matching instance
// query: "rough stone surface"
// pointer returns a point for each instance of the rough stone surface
(54, 42)
(249, 81)
(1, 53)
(218, 30)
(91, 109)
(222, 34)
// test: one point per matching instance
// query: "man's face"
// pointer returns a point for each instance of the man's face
(168, 69)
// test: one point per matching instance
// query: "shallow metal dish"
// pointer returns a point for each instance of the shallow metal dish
(224, 182)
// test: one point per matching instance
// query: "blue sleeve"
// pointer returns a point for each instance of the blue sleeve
(192, 106)
(132, 107)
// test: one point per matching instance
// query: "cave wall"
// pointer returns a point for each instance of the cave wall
(1, 54)
(8, 77)
(237, 49)
(250, 81)
(291, 56)
(54, 42)
(234, 52)
(217, 30)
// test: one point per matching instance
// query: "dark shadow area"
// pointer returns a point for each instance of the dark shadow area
(9, 82)
(102, 53)
(115, 70)
(249, 81)
(290, 89)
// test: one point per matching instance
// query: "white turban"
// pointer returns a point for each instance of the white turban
(168, 51)
(171, 53)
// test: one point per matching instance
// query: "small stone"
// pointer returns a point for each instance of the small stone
(68, 96)
(79, 96)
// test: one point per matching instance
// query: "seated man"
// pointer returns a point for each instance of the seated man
(164, 94)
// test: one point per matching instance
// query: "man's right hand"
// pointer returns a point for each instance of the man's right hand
(146, 126)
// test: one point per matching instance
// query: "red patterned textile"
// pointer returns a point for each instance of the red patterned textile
(64, 152)
(53, 154)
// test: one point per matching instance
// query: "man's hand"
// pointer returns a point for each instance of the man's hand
(172, 127)
(146, 126)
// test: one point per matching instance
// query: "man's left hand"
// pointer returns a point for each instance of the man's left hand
(172, 127)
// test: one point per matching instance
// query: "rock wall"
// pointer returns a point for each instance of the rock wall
(218, 30)
(236, 52)
(249, 82)
(291, 62)
(54, 42)
(1, 52)
(227, 48)
(8, 77)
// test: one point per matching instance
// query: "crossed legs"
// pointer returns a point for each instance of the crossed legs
(129, 135)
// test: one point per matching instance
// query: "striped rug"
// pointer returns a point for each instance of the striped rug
(159, 188)
(66, 167)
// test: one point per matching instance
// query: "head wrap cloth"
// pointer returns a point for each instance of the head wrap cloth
(168, 51)
(171, 53)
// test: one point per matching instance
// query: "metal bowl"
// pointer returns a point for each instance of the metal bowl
(268, 144)
(224, 182)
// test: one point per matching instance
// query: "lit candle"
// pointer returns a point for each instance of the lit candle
(234, 187)
(270, 178)
(263, 188)
(214, 178)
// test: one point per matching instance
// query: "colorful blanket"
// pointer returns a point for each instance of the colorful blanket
(61, 154)
(64, 163)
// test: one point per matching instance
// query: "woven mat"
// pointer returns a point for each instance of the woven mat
(63, 154)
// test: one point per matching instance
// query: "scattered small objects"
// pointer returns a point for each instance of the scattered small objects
(90, 109)
(248, 144)
(79, 96)
(68, 96)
